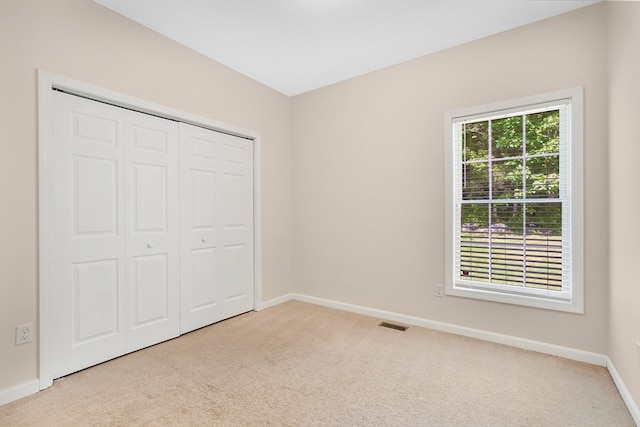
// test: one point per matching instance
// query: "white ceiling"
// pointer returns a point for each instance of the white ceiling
(295, 46)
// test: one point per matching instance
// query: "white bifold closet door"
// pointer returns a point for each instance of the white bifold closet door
(217, 226)
(150, 232)
(116, 266)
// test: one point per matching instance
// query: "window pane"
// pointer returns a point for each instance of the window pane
(507, 249)
(506, 179)
(506, 137)
(475, 181)
(475, 141)
(543, 132)
(543, 177)
(544, 246)
(507, 218)
(544, 219)
(474, 242)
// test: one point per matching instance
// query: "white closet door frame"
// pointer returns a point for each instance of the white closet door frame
(47, 82)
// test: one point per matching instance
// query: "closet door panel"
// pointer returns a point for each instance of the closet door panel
(217, 226)
(200, 234)
(152, 246)
(237, 226)
(86, 234)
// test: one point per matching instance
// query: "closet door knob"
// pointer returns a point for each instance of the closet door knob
(149, 245)
(204, 240)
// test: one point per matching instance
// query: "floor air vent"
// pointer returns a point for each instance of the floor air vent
(392, 326)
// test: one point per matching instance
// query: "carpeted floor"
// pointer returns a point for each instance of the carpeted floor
(304, 365)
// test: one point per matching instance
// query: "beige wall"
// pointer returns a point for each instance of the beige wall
(85, 41)
(624, 191)
(369, 177)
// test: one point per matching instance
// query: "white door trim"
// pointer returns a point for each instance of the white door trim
(46, 83)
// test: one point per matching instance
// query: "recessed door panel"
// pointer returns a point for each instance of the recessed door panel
(95, 183)
(95, 128)
(238, 283)
(234, 154)
(149, 198)
(148, 138)
(203, 147)
(150, 282)
(235, 200)
(96, 288)
(205, 277)
(204, 205)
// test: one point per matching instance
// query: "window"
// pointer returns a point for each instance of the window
(514, 202)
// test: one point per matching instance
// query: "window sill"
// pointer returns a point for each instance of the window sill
(517, 299)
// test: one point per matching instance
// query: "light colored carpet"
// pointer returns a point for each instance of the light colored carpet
(299, 364)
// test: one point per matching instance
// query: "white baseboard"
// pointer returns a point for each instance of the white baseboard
(624, 391)
(273, 302)
(538, 346)
(18, 392)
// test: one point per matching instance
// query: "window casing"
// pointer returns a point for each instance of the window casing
(514, 202)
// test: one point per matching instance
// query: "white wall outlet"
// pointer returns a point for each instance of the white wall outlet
(24, 333)
(638, 350)
(439, 290)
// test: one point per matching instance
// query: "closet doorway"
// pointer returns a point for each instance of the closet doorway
(147, 225)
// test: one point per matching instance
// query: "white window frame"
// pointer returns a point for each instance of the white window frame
(571, 299)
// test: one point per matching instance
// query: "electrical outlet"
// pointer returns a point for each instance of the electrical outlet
(638, 350)
(439, 290)
(24, 333)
